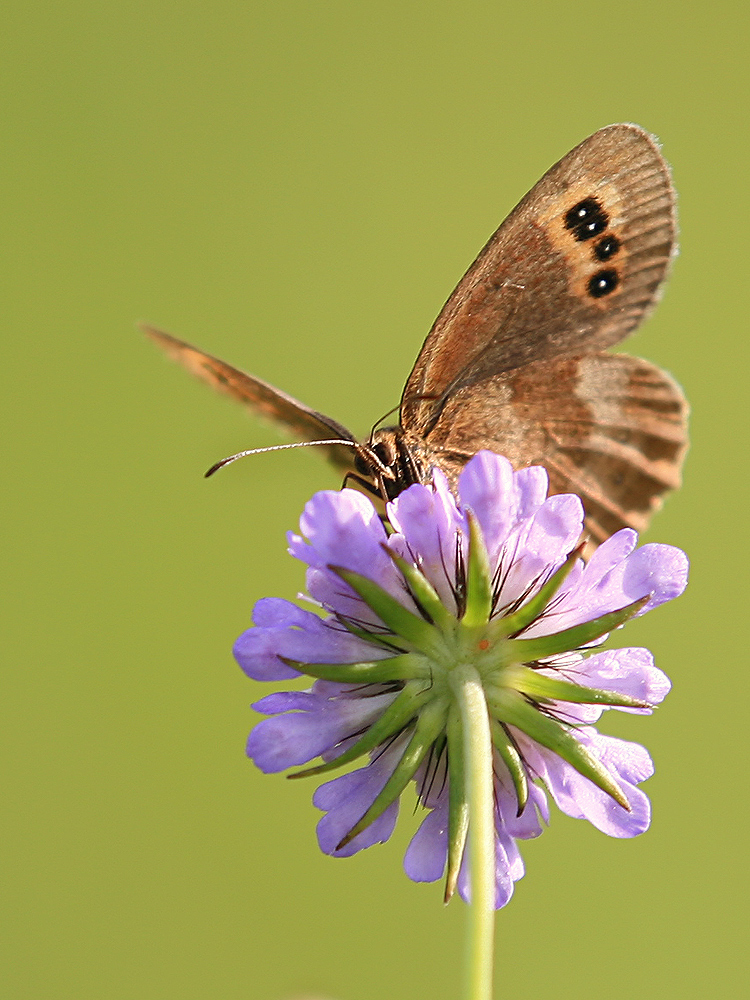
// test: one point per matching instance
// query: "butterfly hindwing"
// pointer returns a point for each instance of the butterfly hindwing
(609, 427)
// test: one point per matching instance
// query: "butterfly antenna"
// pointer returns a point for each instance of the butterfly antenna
(393, 409)
(275, 447)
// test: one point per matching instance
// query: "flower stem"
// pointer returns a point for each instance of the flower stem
(472, 705)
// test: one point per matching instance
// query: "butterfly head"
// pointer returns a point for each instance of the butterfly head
(388, 463)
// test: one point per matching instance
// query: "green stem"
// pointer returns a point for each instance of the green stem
(472, 705)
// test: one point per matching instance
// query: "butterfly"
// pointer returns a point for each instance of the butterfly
(516, 360)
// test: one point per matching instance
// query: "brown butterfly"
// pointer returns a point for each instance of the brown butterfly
(514, 362)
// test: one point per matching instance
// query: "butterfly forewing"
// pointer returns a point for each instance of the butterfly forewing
(261, 397)
(572, 270)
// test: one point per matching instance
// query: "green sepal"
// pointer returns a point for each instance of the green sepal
(430, 722)
(458, 803)
(400, 620)
(539, 686)
(478, 578)
(514, 710)
(422, 591)
(407, 666)
(506, 747)
(530, 650)
(389, 642)
(529, 612)
(396, 717)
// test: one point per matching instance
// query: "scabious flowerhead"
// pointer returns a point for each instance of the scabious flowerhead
(489, 581)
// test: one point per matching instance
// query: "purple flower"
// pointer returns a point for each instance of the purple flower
(491, 582)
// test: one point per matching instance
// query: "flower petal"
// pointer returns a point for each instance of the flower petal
(537, 547)
(532, 484)
(661, 570)
(306, 725)
(508, 869)
(347, 798)
(615, 577)
(527, 825)
(628, 671)
(581, 799)
(487, 486)
(283, 629)
(427, 852)
(427, 524)
(343, 529)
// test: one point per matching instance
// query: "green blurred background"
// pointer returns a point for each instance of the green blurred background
(297, 187)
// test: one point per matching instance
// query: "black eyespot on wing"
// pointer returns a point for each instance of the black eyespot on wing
(603, 282)
(606, 247)
(586, 219)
